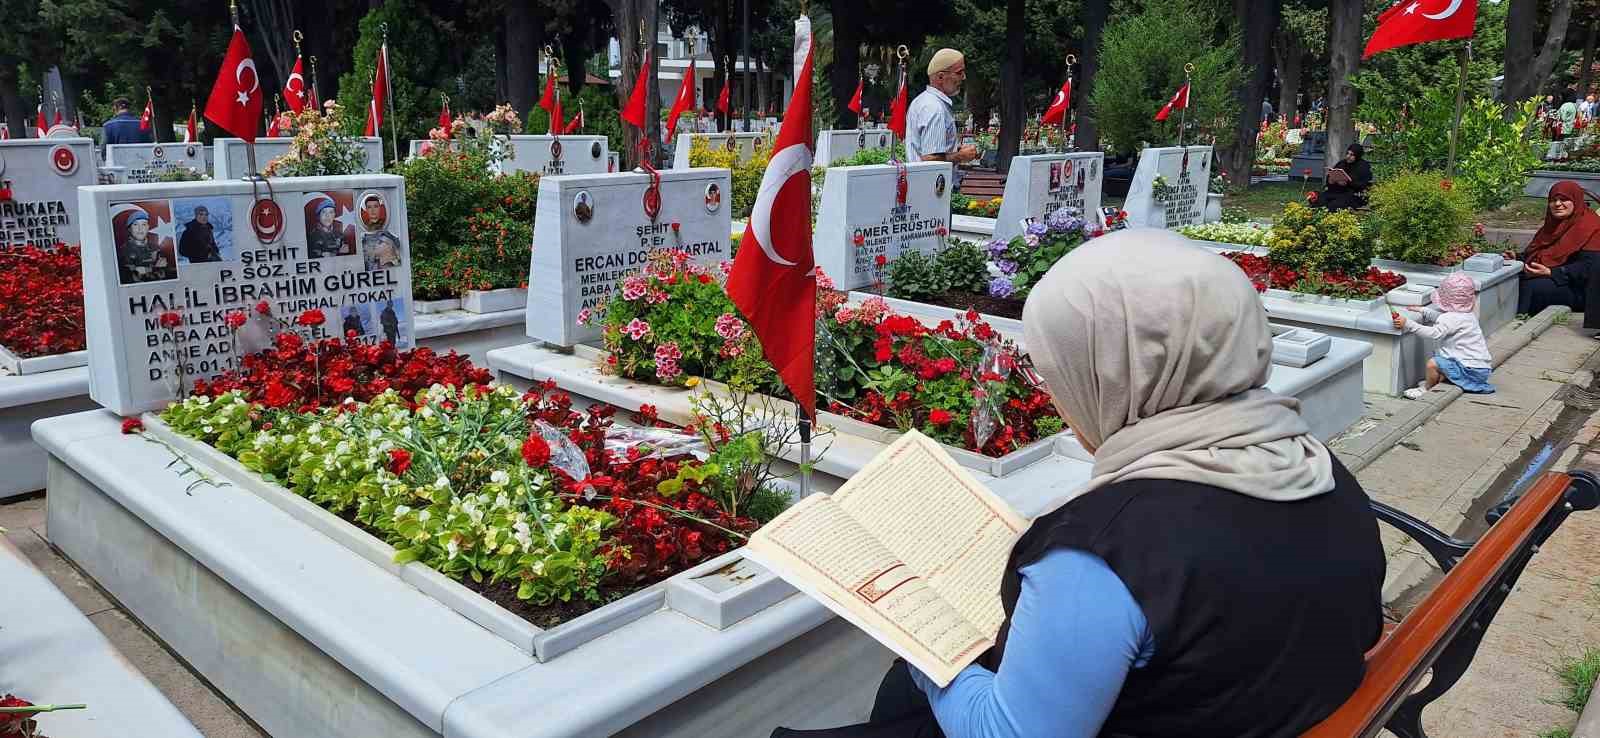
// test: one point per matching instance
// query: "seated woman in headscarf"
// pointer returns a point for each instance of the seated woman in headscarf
(1219, 574)
(1557, 261)
(1347, 181)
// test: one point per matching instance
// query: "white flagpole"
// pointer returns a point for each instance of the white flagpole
(1188, 92)
(388, 95)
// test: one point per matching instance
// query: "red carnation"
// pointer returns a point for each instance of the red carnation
(171, 319)
(132, 425)
(263, 308)
(235, 319)
(311, 318)
(860, 239)
(399, 461)
(535, 450)
(1446, 185)
(705, 279)
(939, 416)
(880, 260)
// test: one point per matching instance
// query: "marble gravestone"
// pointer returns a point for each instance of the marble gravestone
(835, 145)
(206, 250)
(1186, 173)
(864, 215)
(553, 155)
(39, 179)
(145, 163)
(744, 143)
(591, 231)
(1041, 184)
(229, 155)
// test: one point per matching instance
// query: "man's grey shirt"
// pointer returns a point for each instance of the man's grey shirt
(930, 125)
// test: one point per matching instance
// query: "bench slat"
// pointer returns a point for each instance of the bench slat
(1400, 660)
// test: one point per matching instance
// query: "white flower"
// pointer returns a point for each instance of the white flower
(206, 428)
(400, 511)
(452, 548)
(423, 516)
(502, 502)
(342, 448)
(426, 411)
(523, 534)
(499, 476)
(406, 432)
(374, 434)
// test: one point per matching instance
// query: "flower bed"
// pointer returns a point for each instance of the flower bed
(979, 207)
(1264, 274)
(41, 301)
(1244, 234)
(1571, 165)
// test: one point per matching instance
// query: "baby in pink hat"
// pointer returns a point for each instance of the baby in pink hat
(1463, 357)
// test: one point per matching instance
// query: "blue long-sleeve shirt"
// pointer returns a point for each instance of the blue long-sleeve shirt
(1075, 633)
(124, 129)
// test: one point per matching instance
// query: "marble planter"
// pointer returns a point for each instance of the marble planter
(1497, 290)
(972, 228)
(470, 334)
(421, 307)
(24, 399)
(1541, 180)
(494, 301)
(1213, 207)
(309, 636)
(19, 366)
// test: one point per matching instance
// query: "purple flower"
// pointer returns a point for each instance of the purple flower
(1036, 229)
(1006, 266)
(1064, 220)
(1030, 239)
(1001, 287)
(997, 247)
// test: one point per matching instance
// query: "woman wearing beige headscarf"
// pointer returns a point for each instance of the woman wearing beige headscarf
(1220, 573)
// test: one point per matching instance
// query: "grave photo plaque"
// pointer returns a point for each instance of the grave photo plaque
(835, 145)
(867, 219)
(744, 143)
(228, 159)
(591, 231)
(146, 163)
(39, 179)
(1041, 184)
(167, 266)
(1169, 187)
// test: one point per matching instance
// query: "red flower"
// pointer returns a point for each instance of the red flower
(1311, 197)
(399, 461)
(311, 317)
(535, 451)
(880, 260)
(859, 239)
(171, 319)
(263, 308)
(132, 425)
(235, 319)
(705, 279)
(675, 226)
(939, 416)
(1446, 185)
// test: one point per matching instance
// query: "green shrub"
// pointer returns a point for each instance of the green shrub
(469, 230)
(1314, 240)
(913, 276)
(1141, 64)
(1419, 216)
(962, 266)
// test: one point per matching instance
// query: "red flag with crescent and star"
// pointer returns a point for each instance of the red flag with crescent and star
(1418, 21)
(190, 135)
(855, 100)
(39, 123)
(1179, 101)
(773, 281)
(444, 117)
(294, 90)
(1058, 107)
(897, 116)
(148, 116)
(235, 101)
(380, 89)
(634, 112)
(723, 97)
(683, 101)
(575, 125)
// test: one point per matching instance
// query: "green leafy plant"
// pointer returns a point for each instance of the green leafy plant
(1241, 233)
(1142, 57)
(913, 276)
(1023, 260)
(1314, 240)
(962, 266)
(1420, 217)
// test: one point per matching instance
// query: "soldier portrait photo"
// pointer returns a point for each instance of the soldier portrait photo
(205, 230)
(327, 233)
(143, 255)
(380, 250)
(374, 212)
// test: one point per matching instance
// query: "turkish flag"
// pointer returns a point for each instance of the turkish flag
(190, 135)
(58, 118)
(1179, 101)
(294, 91)
(149, 114)
(547, 101)
(576, 124)
(235, 101)
(855, 100)
(634, 112)
(556, 116)
(380, 89)
(897, 117)
(773, 281)
(1416, 21)
(39, 123)
(723, 97)
(372, 119)
(1058, 108)
(444, 117)
(684, 101)
(273, 131)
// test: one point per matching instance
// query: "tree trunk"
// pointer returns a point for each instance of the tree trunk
(980, 100)
(524, 31)
(11, 103)
(1519, 83)
(1344, 54)
(722, 45)
(575, 53)
(1585, 67)
(1260, 20)
(320, 43)
(1555, 37)
(1095, 13)
(846, 71)
(1291, 54)
(502, 76)
(1012, 114)
(652, 101)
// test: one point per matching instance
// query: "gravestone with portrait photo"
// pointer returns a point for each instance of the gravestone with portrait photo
(1041, 184)
(229, 161)
(39, 179)
(1169, 187)
(744, 144)
(553, 155)
(146, 163)
(183, 279)
(835, 145)
(870, 215)
(594, 230)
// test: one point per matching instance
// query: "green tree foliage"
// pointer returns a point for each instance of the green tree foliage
(419, 72)
(600, 115)
(1142, 61)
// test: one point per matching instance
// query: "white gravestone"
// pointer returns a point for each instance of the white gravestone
(743, 143)
(863, 215)
(40, 178)
(145, 163)
(337, 245)
(553, 155)
(1187, 173)
(591, 231)
(835, 145)
(1041, 184)
(229, 156)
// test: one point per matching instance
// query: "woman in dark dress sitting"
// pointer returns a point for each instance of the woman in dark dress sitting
(1220, 574)
(1351, 194)
(1557, 261)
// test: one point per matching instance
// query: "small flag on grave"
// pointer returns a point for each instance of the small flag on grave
(634, 112)
(235, 101)
(684, 101)
(1179, 101)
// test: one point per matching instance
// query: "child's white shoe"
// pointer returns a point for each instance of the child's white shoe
(1416, 393)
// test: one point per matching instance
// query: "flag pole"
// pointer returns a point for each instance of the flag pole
(805, 448)
(1464, 55)
(388, 96)
(1188, 92)
(249, 146)
(1066, 120)
(316, 95)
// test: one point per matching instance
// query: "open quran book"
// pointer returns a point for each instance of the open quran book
(911, 550)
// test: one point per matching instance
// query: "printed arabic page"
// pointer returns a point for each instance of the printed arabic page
(941, 521)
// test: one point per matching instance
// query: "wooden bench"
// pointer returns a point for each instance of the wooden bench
(982, 185)
(1442, 634)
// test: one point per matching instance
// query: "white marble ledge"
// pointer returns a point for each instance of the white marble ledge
(451, 322)
(972, 225)
(1342, 354)
(27, 389)
(51, 653)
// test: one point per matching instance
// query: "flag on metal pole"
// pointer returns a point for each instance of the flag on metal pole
(897, 111)
(1406, 23)
(235, 101)
(683, 101)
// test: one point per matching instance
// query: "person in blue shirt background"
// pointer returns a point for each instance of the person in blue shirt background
(123, 127)
(1219, 575)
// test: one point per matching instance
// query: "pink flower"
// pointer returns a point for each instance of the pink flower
(666, 357)
(824, 282)
(584, 316)
(729, 326)
(635, 287)
(844, 315)
(637, 329)
(657, 296)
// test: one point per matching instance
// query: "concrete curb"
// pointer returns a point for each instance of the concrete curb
(1589, 719)
(1502, 347)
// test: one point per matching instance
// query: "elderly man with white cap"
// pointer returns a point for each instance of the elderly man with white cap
(931, 133)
